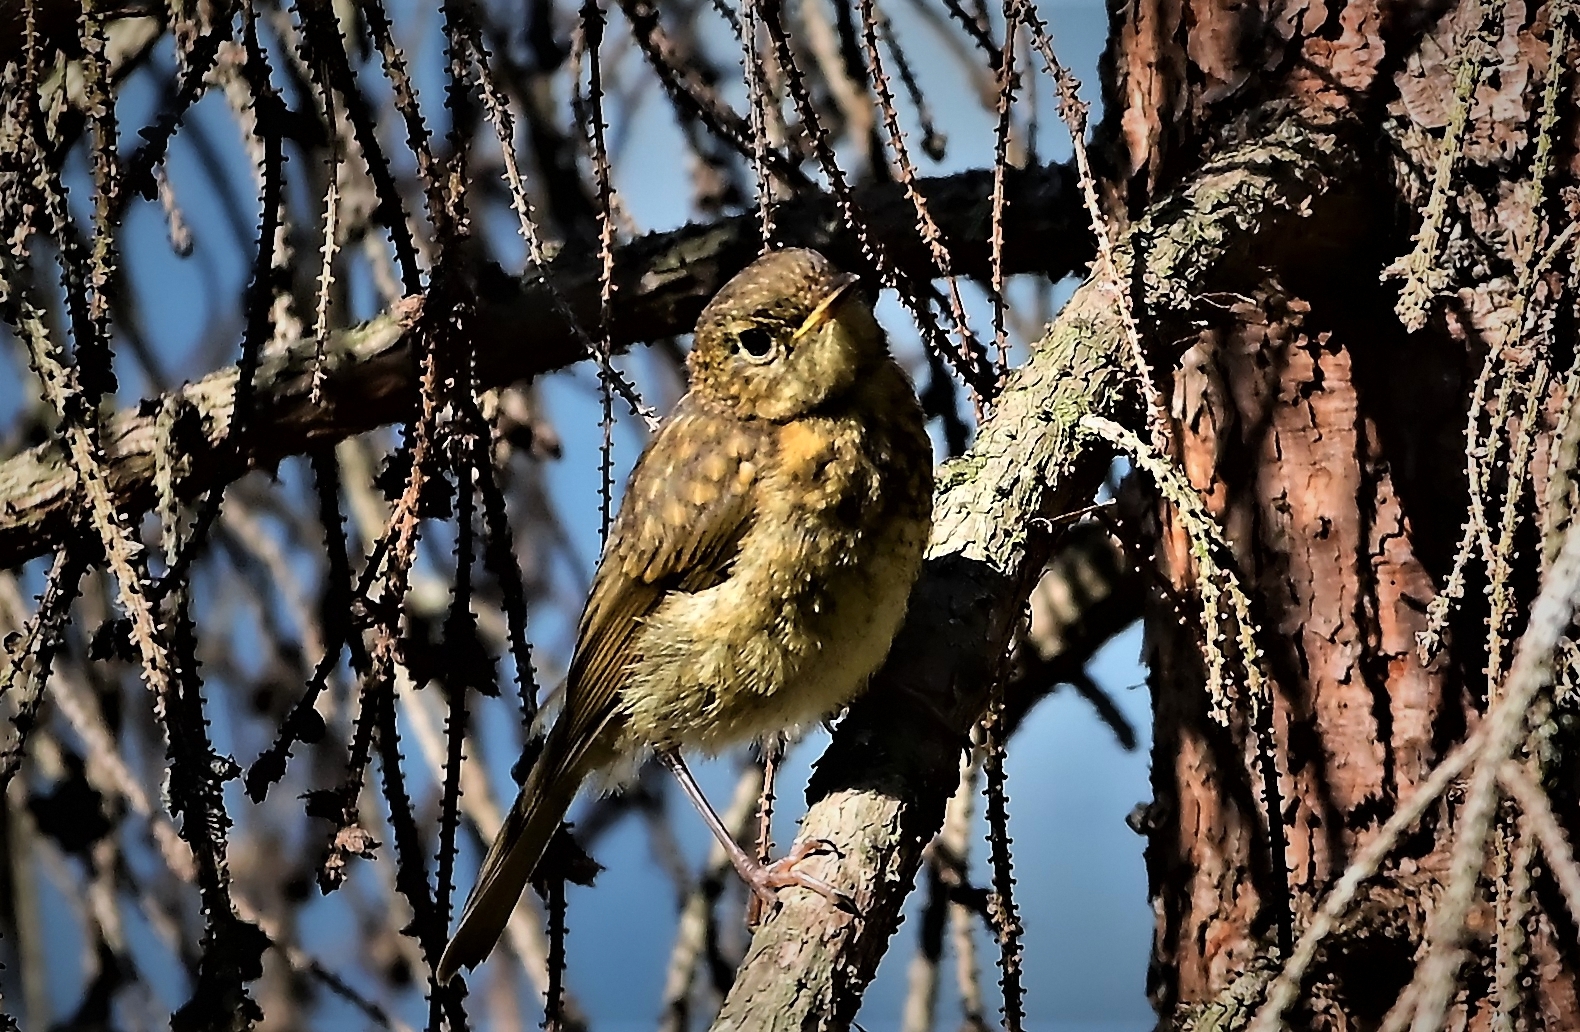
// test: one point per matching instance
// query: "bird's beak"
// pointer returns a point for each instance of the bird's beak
(825, 308)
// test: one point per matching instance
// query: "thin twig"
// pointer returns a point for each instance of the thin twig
(1423, 279)
(592, 26)
(1538, 817)
(1001, 905)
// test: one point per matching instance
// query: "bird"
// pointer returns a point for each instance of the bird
(755, 574)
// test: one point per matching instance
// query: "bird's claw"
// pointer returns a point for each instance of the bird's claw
(765, 880)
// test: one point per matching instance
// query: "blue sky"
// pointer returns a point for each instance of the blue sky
(1082, 885)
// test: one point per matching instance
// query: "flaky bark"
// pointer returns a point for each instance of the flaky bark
(879, 792)
(1278, 433)
(1321, 413)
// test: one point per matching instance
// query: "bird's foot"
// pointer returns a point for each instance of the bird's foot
(765, 880)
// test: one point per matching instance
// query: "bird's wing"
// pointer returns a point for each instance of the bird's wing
(686, 508)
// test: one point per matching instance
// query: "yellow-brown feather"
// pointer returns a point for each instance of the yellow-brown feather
(815, 595)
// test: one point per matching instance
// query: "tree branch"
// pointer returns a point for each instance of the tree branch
(661, 283)
(879, 792)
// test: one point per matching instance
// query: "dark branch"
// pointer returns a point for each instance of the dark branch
(661, 283)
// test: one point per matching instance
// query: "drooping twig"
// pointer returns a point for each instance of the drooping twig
(1001, 905)
(460, 643)
(554, 1008)
(269, 116)
(326, 50)
(1074, 112)
(973, 367)
(497, 108)
(1423, 278)
(499, 556)
(35, 648)
(95, 360)
(1536, 814)
(326, 272)
(928, 226)
(1509, 951)
(592, 26)
(757, 97)
(1001, 133)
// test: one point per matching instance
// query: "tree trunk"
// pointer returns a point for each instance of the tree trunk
(1319, 407)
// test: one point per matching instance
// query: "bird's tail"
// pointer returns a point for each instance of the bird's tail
(511, 861)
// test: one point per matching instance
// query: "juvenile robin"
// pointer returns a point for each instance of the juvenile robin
(757, 571)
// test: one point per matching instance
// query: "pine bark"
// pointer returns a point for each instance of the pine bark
(1329, 442)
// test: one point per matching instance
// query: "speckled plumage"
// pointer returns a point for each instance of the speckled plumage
(760, 563)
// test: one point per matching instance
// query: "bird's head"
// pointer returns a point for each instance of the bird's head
(783, 337)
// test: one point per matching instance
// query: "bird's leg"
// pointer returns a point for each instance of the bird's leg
(773, 749)
(764, 880)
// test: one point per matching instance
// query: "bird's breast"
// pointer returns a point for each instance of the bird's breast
(812, 600)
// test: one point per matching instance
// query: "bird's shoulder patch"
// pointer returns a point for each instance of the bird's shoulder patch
(805, 446)
(689, 496)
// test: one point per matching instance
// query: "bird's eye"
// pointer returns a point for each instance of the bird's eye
(757, 342)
